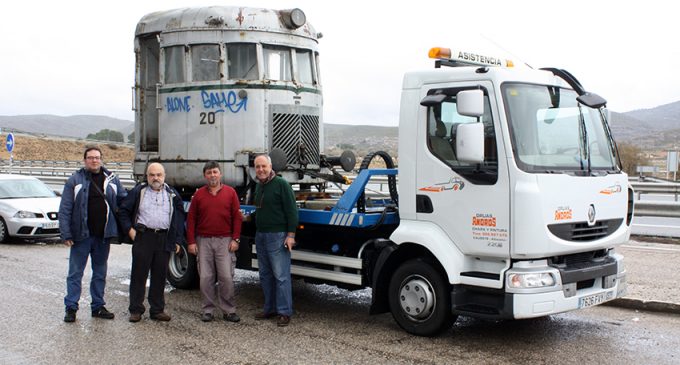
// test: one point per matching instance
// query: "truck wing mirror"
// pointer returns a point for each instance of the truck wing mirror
(470, 103)
(432, 100)
(592, 100)
(470, 142)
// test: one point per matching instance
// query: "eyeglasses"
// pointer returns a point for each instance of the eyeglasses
(93, 158)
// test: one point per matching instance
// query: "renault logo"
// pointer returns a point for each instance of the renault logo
(591, 215)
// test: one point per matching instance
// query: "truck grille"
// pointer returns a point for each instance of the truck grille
(581, 231)
(291, 131)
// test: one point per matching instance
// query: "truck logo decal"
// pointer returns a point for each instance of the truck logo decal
(342, 219)
(591, 214)
(484, 220)
(454, 184)
(484, 229)
(563, 213)
(611, 190)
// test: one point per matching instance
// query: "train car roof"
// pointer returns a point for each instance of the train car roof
(221, 18)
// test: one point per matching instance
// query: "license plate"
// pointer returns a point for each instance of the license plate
(50, 225)
(595, 299)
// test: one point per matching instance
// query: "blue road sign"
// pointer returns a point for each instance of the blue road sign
(9, 143)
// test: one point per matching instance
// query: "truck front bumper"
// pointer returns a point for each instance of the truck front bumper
(571, 291)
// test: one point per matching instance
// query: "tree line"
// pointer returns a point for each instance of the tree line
(111, 136)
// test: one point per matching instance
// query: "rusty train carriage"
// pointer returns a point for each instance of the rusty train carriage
(223, 83)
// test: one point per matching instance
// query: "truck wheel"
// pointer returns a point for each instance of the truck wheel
(182, 270)
(420, 299)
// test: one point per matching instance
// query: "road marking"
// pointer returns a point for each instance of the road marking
(654, 226)
(651, 248)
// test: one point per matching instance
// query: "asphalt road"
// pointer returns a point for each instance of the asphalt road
(330, 326)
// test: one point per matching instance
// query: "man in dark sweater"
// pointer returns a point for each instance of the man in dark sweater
(213, 235)
(276, 218)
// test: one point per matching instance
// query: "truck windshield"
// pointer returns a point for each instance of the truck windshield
(551, 132)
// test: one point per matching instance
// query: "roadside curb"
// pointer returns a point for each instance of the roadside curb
(645, 305)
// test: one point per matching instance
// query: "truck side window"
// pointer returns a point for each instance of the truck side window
(205, 62)
(442, 125)
(174, 65)
(242, 62)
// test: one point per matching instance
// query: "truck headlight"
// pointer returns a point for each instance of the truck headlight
(531, 280)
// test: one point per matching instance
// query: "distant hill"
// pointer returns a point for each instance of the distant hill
(360, 139)
(655, 128)
(71, 126)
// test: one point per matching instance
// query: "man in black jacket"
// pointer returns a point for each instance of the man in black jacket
(153, 216)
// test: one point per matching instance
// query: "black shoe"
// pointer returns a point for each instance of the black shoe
(207, 317)
(102, 312)
(70, 315)
(231, 317)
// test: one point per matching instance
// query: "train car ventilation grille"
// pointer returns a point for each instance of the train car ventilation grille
(291, 131)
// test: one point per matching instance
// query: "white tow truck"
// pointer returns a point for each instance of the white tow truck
(510, 200)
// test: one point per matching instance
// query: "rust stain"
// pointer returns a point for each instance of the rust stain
(240, 18)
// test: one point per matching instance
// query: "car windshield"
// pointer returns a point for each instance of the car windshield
(26, 188)
(552, 132)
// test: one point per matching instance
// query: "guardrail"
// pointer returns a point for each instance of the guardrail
(57, 172)
(657, 209)
(656, 188)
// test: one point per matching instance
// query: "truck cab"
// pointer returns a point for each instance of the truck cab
(512, 186)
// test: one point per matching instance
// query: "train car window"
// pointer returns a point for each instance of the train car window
(277, 64)
(174, 65)
(304, 65)
(242, 62)
(205, 62)
(318, 68)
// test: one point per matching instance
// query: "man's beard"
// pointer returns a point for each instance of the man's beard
(156, 185)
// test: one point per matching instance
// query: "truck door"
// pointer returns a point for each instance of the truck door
(469, 202)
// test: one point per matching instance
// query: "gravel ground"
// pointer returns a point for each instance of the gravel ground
(652, 268)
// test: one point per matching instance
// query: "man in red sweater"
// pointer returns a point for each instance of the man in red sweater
(213, 235)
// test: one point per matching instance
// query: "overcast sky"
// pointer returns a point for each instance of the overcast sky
(76, 57)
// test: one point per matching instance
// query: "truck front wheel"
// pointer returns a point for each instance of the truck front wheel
(419, 298)
(182, 270)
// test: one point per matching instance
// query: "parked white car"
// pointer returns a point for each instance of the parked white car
(28, 208)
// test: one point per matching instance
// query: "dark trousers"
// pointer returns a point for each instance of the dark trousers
(148, 254)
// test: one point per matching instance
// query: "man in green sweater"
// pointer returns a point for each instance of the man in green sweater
(276, 218)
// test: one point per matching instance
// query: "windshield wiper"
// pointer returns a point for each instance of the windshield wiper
(584, 137)
(612, 144)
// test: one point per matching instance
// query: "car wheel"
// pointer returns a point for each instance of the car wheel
(420, 299)
(182, 269)
(4, 235)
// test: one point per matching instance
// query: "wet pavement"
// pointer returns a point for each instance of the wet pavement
(330, 325)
